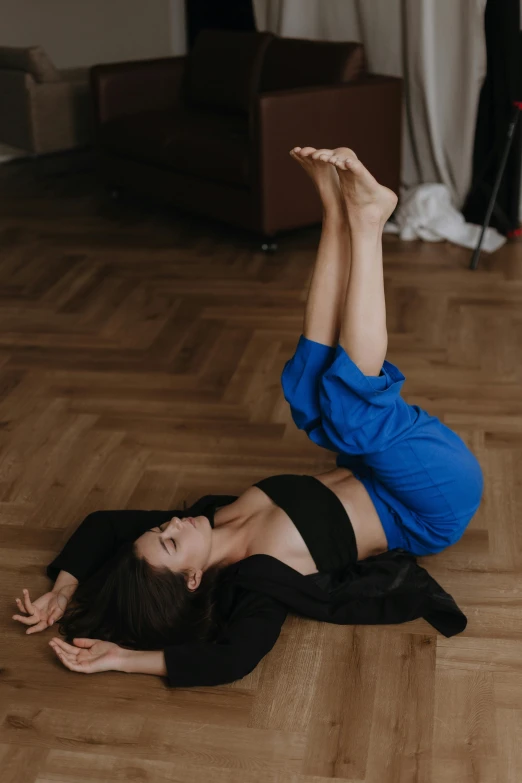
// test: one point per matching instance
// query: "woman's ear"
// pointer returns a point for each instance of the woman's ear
(194, 579)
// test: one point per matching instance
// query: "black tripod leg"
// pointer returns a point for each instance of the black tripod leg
(496, 186)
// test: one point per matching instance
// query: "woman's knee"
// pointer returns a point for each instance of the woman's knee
(434, 539)
(471, 488)
(446, 533)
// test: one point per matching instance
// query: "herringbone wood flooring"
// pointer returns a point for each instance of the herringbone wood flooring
(141, 354)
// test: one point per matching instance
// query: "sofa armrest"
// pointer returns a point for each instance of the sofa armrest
(365, 115)
(62, 114)
(131, 87)
(16, 127)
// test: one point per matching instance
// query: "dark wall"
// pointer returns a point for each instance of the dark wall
(218, 15)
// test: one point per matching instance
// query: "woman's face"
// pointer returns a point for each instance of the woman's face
(179, 544)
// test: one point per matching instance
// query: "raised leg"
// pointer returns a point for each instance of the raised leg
(328, 284)
(368, 206)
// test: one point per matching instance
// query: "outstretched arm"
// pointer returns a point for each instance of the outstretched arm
(252, 630)
(98, 537)
(101, 533)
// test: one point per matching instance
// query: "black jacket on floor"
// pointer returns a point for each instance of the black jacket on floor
(256, 594)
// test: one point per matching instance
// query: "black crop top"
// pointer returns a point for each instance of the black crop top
(319, 516)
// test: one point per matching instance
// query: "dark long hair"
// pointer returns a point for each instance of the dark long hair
(139, 606)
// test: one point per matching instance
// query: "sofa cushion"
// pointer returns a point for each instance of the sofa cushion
(30, 59)
(204, 144)
(224, 69)
(296, 62)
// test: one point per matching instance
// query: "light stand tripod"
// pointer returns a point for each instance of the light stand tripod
(517, 108)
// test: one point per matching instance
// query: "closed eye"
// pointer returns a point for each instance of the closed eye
(162, 542)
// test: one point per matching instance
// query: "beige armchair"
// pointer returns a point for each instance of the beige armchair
(43, 109)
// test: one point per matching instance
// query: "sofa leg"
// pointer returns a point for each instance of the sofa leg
(268, 245)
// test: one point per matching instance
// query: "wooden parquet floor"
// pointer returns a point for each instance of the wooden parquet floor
(141, 353)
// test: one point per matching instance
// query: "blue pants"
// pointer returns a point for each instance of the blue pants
(423, 480)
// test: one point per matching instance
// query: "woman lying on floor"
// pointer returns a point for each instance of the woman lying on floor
(149, 586)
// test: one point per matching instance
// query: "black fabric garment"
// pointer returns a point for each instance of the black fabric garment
(502, 85)
(256, 594)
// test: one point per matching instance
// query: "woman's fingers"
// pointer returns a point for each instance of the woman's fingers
(81, 642)
(63, 653)
(67, 660)
(20, 605)
(34, 618)
(29, 609)
(70, 661)
(37, 616)
(55, 615)
(25, 620)
(69, 648)
(42, 625)
(28, 605)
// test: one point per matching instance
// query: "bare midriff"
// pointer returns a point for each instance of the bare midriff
(369, 532)
(274, 533)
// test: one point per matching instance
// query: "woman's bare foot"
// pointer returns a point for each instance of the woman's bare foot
(324, 177)
(363, 196)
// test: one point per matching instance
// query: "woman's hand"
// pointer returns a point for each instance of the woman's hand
(44, 611)
(88, 655)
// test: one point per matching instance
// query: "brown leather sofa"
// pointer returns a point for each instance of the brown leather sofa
(211, 131)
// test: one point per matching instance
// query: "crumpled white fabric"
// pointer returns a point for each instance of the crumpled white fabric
(426, 212)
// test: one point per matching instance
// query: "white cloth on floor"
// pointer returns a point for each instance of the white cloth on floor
(426, 212)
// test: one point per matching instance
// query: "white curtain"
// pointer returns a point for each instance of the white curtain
(437, 47)
(316, 19)
(178, 27)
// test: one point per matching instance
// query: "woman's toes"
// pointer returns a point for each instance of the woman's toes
(344, 152)
(300, 153)
(343, 162)
(344, 158)
(352, 164)
(306, 152)
(322, 154)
